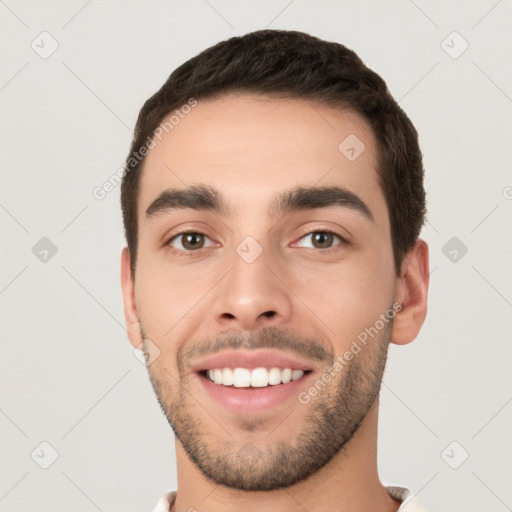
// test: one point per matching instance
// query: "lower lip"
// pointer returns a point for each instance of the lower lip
(247, 400)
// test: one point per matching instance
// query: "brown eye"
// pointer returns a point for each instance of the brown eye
(193, 241)
(321, 240)
(190, 241)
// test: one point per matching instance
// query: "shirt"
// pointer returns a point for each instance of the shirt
(409, 504)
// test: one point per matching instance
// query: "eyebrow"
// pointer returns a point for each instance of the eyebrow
(207, 198)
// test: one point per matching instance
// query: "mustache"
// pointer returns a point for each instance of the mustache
(310, 347)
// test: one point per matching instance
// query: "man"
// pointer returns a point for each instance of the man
(272, 201)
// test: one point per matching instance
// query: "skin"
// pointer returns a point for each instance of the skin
(249, 148)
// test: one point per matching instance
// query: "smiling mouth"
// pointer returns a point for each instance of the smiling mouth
(252, 378)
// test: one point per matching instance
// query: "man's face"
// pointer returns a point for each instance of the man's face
(254, 285)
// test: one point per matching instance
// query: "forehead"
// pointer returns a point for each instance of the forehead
(249, 146)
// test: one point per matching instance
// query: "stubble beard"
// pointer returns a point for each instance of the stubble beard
(335, 414)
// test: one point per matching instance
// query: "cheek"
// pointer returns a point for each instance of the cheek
(348, 298)
(169, 296)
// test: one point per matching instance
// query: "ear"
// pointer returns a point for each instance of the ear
(130, 309)
(411, 292)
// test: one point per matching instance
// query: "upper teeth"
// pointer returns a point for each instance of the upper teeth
(256, 378)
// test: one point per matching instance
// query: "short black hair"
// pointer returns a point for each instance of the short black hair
(292, 64)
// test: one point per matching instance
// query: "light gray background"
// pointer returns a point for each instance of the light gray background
(68, 374)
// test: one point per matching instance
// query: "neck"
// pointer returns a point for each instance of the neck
(349, 481)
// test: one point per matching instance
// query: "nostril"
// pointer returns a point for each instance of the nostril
(269, 313)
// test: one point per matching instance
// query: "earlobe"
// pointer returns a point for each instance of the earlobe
(411, 293)
(130, 308)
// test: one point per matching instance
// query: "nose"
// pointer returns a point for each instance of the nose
(253, 295)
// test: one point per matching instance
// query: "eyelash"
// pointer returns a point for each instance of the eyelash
(185, 253)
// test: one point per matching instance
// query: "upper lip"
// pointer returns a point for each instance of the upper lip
(250, 359)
